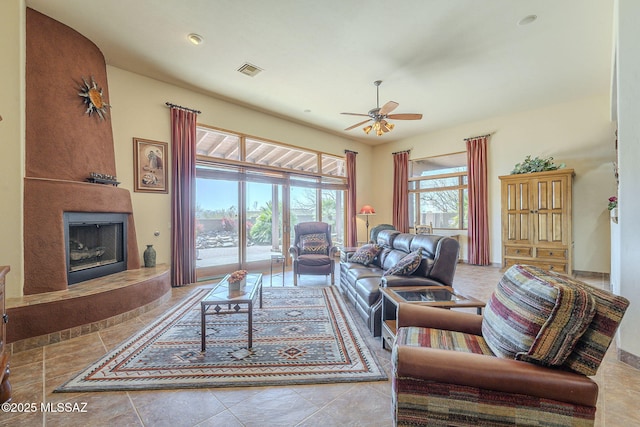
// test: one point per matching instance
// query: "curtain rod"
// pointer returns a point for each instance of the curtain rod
(170, 105)
(403, 151)
(350, 151)
(479, 136)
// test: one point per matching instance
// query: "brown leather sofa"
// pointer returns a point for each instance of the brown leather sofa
(361, 284)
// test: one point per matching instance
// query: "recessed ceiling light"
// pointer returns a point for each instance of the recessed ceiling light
(195, 39)
(527, 20)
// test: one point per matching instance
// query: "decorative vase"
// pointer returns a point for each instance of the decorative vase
(149, 256)
(236, 286)
(614, 215)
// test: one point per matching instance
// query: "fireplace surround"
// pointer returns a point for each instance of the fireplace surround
(95, 244)
(63, 146)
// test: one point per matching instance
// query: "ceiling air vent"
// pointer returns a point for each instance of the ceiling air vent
(249, 69)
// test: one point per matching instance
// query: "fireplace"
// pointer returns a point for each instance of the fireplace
(96, 244)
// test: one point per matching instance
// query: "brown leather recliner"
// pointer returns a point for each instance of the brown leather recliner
(312, 250)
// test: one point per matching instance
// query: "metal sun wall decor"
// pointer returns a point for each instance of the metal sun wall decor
(92, 95)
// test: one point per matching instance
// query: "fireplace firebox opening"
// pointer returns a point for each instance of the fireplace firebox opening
(96, 244)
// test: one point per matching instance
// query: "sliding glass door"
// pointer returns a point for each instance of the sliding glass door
(245, 217)
(264, 221)
(304, 199)
(318, 200)
(251, 192)
(217, 219)
(333, 213)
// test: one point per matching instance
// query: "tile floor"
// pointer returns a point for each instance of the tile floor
(37, 372)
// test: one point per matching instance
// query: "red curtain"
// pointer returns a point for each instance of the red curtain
(183, 200)
(352, 231)
(401, 191)
(478, 250)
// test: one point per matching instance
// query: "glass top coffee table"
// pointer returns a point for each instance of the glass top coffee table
(433, 296)
(222, 300)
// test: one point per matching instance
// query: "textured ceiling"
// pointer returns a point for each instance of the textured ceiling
(454, 61)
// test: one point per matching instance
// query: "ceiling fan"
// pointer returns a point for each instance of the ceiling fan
(380, 115)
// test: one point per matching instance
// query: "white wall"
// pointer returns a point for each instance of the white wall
(628, 94)
(12, 46)
(138, 110)
(577, 133)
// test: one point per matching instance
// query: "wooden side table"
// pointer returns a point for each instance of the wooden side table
(275, 260)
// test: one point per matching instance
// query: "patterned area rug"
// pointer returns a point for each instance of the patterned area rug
(300, 336)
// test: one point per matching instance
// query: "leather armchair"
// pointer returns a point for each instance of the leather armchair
(312, 250)
(444, 373)
(492, 380)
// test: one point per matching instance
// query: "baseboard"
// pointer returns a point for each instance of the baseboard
(629, 359)
(493, 264)
(603, 276)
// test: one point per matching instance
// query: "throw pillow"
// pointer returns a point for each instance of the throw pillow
(366, 254)
(535, 317)
(314, 244)
(407, 265)
(592, 346)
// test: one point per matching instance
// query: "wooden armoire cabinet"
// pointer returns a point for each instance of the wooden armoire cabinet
(536, 220)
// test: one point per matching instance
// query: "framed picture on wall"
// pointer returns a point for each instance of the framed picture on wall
(150, 166)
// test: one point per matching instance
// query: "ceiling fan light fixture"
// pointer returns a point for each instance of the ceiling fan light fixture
(380, 114)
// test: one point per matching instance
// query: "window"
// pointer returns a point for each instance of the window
(438, 191)
(227, 146)
(250, 193)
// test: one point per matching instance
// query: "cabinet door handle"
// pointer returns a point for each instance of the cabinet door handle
(5, 318)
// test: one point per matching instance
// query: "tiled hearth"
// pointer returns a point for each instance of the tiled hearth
(107, 301)
(35, 373)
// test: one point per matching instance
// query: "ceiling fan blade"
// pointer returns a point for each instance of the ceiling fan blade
(358, 124)
(356, 114)
(388, 107)
(406, 116)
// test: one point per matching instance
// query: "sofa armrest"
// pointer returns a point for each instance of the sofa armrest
(397, 281)
(438, 318)
(494, 373)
